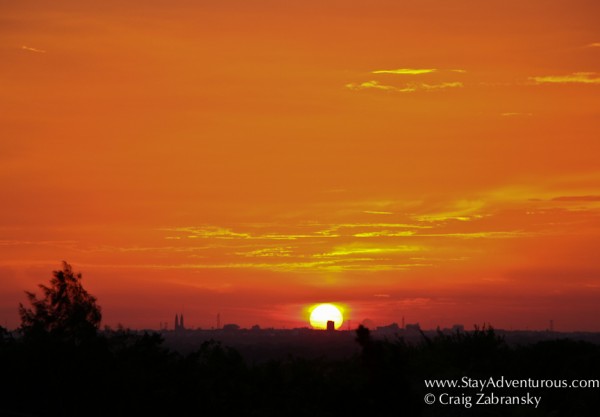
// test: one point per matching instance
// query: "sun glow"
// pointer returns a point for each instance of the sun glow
(322, 313)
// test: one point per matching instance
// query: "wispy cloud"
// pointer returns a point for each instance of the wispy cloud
(351, 250)
(385, 233)
(277, 252)
(214, 232)
(357, 265)
(30, 49)
(573, 78)
(415, 71)
(314, 231)
(407, 88)
(453, 84)
(406, 71)
(339, 229)
(421, 236)
(463, 210)
(211, 232)
(593, 45)
(482, 235)
(375, 85)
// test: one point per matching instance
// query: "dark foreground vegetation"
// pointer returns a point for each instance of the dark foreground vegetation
(57, 366)
(125, 374)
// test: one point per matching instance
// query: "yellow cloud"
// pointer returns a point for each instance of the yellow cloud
(211, 232)
(574, 78)
(330, 265)
(463, 210)
(282, 236)
(384, 233)
(362, 250)
(215, 232)
(444, 217)
(405, 71)
(336, 230)
(383, 225)
(377, 86)
(267, 253)
(453, 84)
(479, 235)
(415, 71)
(408, 88)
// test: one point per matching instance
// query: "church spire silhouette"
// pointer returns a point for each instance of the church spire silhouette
(179, 322)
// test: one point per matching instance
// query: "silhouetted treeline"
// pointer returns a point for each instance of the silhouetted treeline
(120, 373)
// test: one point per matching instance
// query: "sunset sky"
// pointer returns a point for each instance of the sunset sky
(437, 160)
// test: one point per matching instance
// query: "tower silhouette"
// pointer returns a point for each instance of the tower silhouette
(179, 323)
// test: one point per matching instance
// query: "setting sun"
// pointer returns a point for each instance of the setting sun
(324, 313)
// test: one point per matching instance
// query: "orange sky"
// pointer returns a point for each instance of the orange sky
(427, 159)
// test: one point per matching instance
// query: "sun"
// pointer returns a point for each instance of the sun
(323, 313)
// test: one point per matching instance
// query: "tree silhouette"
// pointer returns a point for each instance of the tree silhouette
(66, 311)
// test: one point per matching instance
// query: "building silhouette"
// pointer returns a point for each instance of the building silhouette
(179, 323)
(330, 325)
(413, 327)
